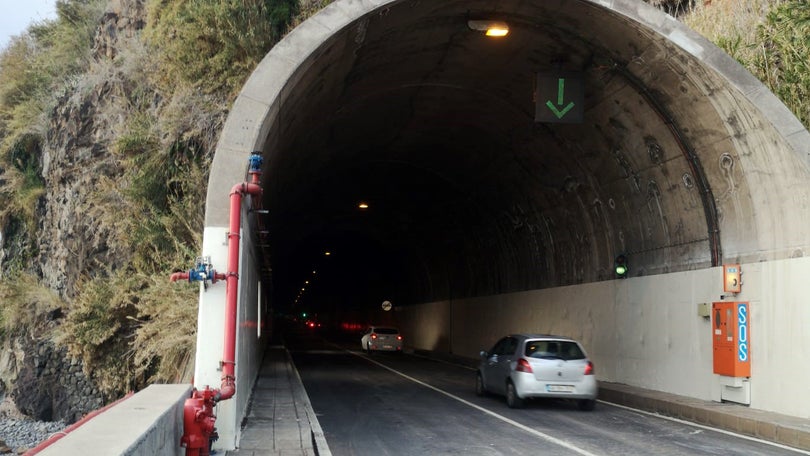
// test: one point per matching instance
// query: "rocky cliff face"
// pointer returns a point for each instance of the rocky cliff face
(52, 387)
(72, 238)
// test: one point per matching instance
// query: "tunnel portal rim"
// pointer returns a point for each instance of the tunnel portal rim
(268, 93)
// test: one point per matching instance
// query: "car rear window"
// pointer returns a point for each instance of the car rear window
(386, 331)
(554, 349)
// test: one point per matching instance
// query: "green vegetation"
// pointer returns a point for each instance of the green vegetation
(44, 59)
(771, 38)
(130, 329)
(166, 94)
(214, 45)
(676, 8)
(784, 60)
(165, 98)
(25, 301)
(148, 331)
(31, 68)
(24, 184)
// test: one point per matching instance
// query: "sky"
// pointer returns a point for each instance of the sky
(17, 15)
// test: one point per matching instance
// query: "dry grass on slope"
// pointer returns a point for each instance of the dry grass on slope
(771, 38)
(731, 24)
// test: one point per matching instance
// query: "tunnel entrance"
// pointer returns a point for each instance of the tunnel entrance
(410, 108)
(478, 212)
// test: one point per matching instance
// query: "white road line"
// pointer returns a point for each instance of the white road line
(537, 433)
(567, 445)
(709, 428)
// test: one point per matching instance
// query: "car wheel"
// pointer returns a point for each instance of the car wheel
(512, 398)
(586, 404)
(480, 389)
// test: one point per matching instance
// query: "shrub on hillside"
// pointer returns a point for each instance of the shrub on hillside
(214, 45)
(770, 38)
(24, 301)
(783, 60)
(130, 329)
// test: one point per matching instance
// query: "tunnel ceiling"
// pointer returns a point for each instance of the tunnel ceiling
(433, 125)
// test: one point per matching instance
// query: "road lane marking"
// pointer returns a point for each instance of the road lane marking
(565, 444)
(709, 428)
(514, 423)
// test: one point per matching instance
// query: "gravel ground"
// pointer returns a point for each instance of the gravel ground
(26, 434)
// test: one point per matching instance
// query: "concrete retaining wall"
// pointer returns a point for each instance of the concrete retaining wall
(646, 331)
(150, 423)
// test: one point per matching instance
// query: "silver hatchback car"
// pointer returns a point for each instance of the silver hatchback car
(380, 338)
(525, 366)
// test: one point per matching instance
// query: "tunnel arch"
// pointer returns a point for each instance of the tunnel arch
(683, 159)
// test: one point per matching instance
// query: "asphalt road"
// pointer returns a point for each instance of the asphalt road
(389, 404)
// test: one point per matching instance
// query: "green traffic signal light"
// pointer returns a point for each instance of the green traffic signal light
(304, 314)
(620, 266)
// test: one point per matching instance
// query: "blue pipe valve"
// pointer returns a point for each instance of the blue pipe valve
(255, 162)
(203, 271)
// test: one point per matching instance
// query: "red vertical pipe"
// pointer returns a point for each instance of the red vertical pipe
(228, 388)
(199, 419)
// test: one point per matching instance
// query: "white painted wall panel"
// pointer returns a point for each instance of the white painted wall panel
(646, 331)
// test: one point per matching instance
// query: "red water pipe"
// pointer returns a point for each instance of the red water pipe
(228, 387)
(193, 275)
(199, 418)
(178, 276)
(184, 276)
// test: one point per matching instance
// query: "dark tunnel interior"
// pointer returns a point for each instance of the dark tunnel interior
(432, 124)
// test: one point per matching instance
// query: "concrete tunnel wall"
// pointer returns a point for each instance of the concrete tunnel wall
(645, 331)
(757, 165)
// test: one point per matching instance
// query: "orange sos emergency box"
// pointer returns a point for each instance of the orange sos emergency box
(731, 339)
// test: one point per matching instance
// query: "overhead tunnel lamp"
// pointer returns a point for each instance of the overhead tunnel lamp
(494, 29)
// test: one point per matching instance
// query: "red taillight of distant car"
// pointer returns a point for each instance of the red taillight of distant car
(399, 337)
(589, 368)
(523, 366)
(373, 335)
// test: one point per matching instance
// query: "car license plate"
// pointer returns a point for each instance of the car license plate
(560, 388)
(388, 346)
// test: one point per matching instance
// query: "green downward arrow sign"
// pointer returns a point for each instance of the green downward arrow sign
(561, 111)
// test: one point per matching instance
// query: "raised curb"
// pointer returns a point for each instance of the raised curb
(773, 427)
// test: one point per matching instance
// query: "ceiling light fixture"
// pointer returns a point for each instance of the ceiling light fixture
(490, 28)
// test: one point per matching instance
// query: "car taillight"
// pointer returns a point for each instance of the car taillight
(399, 337)
(523, 366)
(373, 335)
(589, 368)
